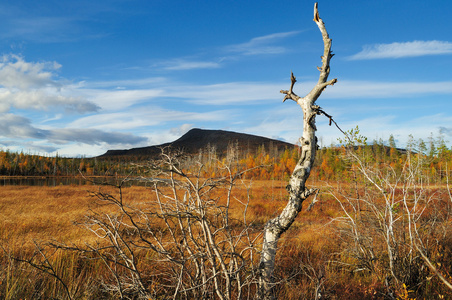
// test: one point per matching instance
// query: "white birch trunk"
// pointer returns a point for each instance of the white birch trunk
(296, 187)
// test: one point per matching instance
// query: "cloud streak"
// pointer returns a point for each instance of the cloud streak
(371, 89)
(145, 116)
(13, 126)
(249, 93)
(182, 64)
(401, 50)
(93, 137)
(262, 45)
(145, 106)
(40, 29)
(111, 100)
(230, 93)
(59, 23)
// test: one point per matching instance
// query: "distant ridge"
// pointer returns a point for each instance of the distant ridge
(197, 139)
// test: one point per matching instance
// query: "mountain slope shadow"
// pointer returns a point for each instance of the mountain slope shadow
(197, 139)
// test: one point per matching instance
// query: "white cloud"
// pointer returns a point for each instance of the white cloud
(138, 106)
(256, 46)
(181, 130)
(249, 93)
(26, 85)
(180, 64)
(54, 118)
(112, 100)
(262, 44)
(4, 105)
(231, 93)
(406, 49)
(277, 128)
(382, 126)
(125, 83)
(17, 73)
(145, 116)
(374, 89)
(45, 100)
(446, 130)
(13, 126)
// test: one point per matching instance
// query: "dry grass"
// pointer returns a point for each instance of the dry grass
(36, 213)
(30, 214)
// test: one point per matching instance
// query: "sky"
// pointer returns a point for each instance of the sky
(78, 78)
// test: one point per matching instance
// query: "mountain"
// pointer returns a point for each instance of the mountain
(198, 139)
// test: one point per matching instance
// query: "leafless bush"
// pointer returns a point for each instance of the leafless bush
(393, 223)
(187, 242)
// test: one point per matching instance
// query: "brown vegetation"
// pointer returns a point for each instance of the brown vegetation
(338, 248)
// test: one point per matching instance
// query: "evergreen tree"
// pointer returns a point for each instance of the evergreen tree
(432, 147)
(392, 142)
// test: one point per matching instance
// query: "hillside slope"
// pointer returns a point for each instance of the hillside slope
(197, 139)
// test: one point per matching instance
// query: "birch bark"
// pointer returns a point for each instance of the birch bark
(297, 184)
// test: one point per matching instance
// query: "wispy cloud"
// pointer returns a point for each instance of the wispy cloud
(118, 99)
(375, 89)
(256, 46)
(128, 113)
(230, 93)
(249, 93)
(122, 84)
(45, 29)
(183, 64)
(58, 24)
(145, 116)
(406, 49)
(38, 28)
(262, 44)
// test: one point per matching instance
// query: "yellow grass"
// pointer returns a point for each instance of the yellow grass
(30, 214)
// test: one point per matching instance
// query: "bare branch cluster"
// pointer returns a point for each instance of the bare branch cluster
(184, 242)
(395, 209)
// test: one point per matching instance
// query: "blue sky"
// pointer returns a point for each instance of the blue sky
(82, 77)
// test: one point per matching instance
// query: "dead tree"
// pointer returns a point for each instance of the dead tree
(298, 192)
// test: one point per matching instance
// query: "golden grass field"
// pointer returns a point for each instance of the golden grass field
(32, 215)
(38, 213)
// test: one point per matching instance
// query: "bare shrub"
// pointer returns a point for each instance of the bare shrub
(187, 241)
(393, 223)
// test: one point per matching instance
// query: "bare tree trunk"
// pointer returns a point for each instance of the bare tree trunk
(296, 187)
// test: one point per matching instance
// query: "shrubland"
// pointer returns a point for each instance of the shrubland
(379, 228)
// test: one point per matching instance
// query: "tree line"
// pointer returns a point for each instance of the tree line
(264, 164)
